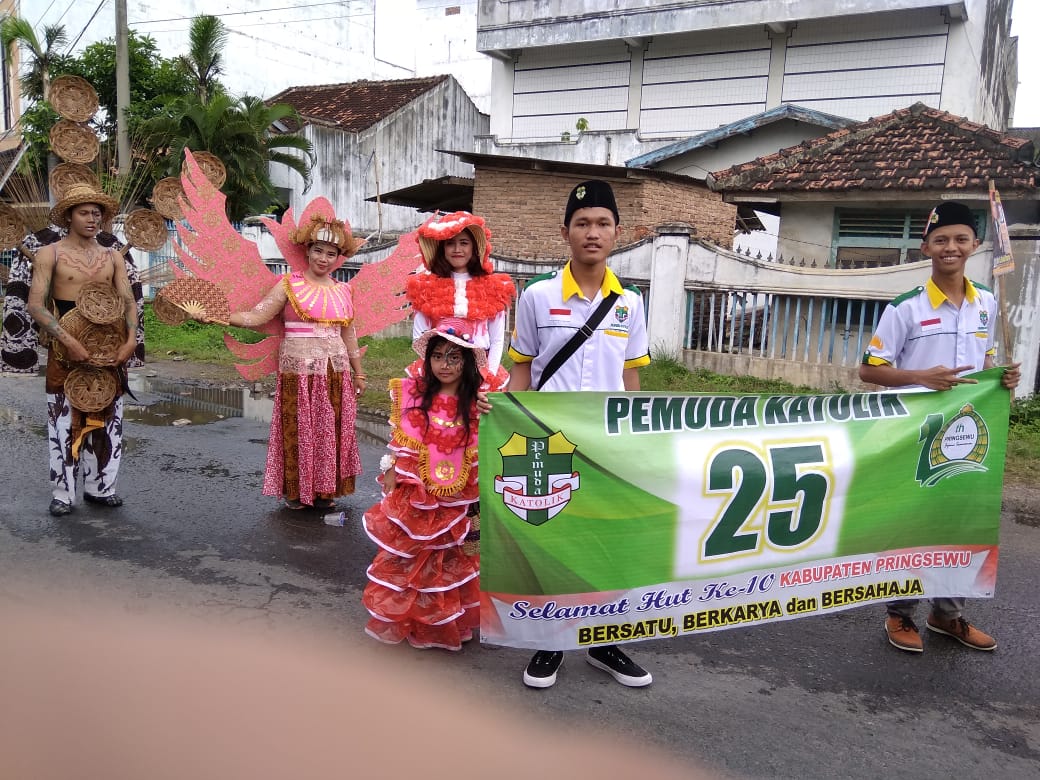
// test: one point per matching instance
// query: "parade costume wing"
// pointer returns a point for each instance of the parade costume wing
(211, 249)
(378, 289)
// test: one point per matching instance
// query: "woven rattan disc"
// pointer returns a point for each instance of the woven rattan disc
(12, 228)
(198, 295)
(145, 229)
(99, 302)
(164, 197)
(101, 341)
(91, 389)
(168, 312)
(212, 168)
(74, 98)
(73, 142)
(67, 174)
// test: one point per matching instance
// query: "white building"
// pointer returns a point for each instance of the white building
(641, 74)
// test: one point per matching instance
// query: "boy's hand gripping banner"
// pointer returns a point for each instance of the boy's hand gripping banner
(615, 517)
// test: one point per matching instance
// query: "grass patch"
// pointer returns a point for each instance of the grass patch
(195, 340)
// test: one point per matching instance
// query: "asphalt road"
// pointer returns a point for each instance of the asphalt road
(822, 697)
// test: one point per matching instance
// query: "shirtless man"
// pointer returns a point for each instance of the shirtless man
(60, 271)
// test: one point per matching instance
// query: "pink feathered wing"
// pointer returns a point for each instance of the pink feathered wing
(213, 250)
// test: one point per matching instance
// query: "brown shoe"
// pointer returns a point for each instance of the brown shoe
(963, 631)
(903, 633)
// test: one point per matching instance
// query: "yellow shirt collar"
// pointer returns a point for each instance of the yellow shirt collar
(937, 296)
(570, 286)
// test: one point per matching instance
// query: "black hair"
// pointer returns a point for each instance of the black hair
(469, 384)
(439, 265)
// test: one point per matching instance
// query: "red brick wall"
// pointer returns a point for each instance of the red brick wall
(524, 210)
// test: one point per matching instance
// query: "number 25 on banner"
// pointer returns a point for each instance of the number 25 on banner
(779, 497)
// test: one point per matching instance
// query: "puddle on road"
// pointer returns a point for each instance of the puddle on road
(160, 402)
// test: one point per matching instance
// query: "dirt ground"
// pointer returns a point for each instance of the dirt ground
(1021, 499)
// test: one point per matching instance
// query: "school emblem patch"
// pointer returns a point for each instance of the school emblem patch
(956, 447)
(621, 313)
(537, 479)
(983, 317)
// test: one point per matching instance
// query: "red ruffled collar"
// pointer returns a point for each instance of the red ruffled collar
(486, 296)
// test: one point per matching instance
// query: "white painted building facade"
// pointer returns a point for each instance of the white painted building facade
(646, 74)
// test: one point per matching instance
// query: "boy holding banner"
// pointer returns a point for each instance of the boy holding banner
(947, 322)
(579, 329)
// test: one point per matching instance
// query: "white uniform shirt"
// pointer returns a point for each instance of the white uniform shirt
(551, 308)
(922, 328)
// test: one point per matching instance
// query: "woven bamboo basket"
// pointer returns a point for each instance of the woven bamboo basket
(165, 196)
(212, 167)
(73, 98)
(73, 142)
(168, 312)
(99, 302)
(12, 228)
(101, 341)
(67, 174)
(145, 229)
(91, 389)
(198, 297)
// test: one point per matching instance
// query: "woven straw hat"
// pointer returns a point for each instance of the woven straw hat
(79, 194)
(457, 331)
(441, 227)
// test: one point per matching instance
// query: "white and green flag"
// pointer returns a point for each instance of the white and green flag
(614, 517)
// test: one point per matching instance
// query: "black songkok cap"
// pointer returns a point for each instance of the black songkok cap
(950, 213)
(589, 195)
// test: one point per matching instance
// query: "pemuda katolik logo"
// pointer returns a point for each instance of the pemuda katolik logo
(957, 447)
(537, 478)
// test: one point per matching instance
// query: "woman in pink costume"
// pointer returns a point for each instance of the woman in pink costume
(461, 282)
(423, 583)
(312, 454)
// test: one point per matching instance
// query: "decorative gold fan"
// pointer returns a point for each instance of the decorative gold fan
(199, 299)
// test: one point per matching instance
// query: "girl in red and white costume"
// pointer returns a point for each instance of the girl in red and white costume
(423, 583)
(461, 282)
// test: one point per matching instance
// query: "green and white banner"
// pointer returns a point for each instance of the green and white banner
(614, 517)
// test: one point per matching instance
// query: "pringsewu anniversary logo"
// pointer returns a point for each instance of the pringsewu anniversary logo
(956, 447)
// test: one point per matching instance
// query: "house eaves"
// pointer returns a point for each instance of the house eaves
(507, 27)
(912, 150)
(744, 126)
(353, 106)
(584, 170)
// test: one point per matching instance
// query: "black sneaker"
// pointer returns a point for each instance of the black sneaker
(59, 508)
(541, 669)
(611, 660)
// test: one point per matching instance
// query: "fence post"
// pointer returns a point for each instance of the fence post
(666, 310)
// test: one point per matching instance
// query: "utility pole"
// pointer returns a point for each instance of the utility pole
(122, 88)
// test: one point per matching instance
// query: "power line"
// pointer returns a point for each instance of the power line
(89, 22)
(292, 8)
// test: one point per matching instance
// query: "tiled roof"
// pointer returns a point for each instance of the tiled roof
(355, 105)
(911, 149)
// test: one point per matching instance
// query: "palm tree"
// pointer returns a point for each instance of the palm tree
(205, 58)
(238, 131)
(36, 82)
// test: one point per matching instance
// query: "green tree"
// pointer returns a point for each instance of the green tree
(238, 131)
(204, 61)
(154, 80)
(44, 58)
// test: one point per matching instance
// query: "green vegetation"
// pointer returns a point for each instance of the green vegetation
(1023, 457)
(193, 340)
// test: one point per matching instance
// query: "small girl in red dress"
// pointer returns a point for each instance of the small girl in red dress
(423, 583)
